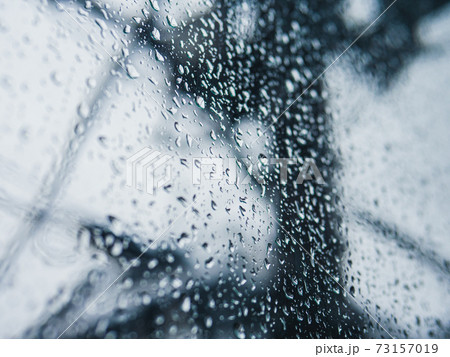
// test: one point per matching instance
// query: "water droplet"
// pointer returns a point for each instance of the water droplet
(290, 86)
(132, 71)
(155, 34)
(209, 263)
(171, 21)
(154, 4)
(208, 322)
(160, 320)
(238, 330)
(152, 264)
(200, 102)
(159, 57)
(186, 305)
(189, 140)
(127, 29)
(83, 110)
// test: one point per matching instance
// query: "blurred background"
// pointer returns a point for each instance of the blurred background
(84, 85)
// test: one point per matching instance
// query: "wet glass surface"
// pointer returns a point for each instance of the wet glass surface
(358, 88)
